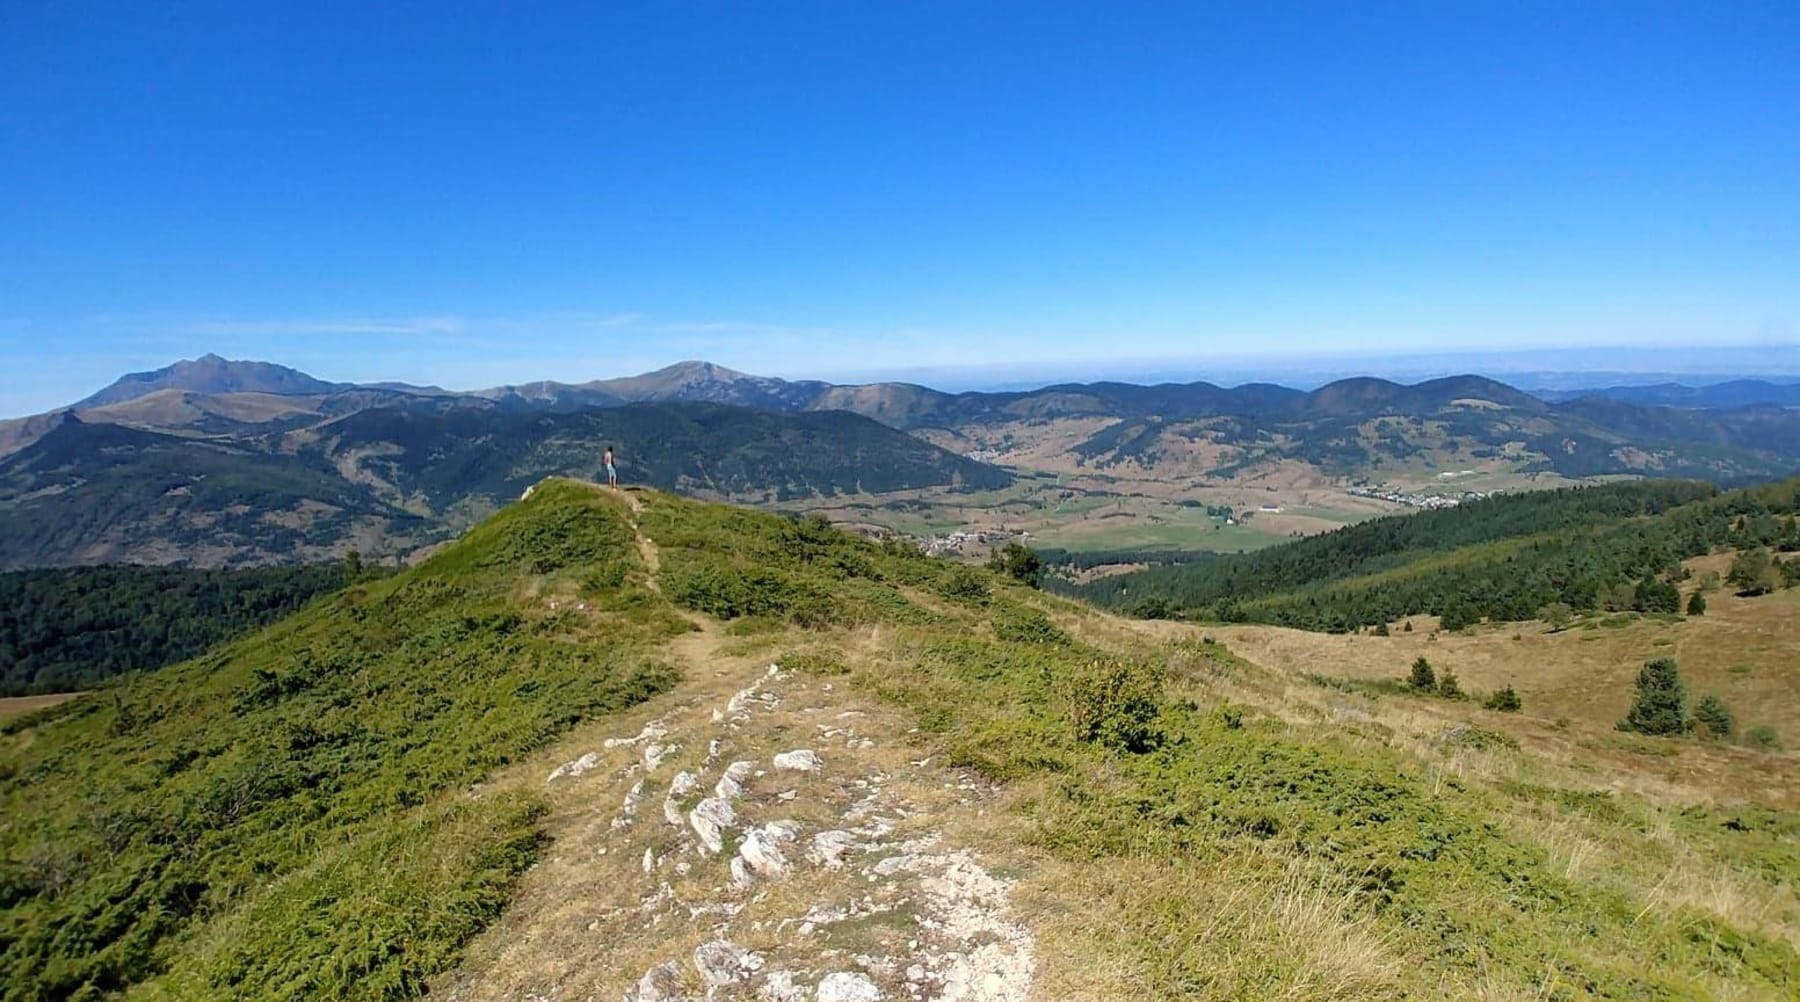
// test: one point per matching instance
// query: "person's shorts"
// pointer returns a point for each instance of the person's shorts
(610, 471)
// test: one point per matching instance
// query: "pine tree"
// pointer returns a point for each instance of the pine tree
(1660, 706)
(1696, 605)
(1506, 701)
(1423, 678)
(1448, 687)
(1714, 718)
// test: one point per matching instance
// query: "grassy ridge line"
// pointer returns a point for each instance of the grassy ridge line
(155, 823)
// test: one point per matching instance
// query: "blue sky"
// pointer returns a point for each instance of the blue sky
(470, 194)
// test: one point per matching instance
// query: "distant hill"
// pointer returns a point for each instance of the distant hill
(212, 374)
(228, 462)
(390, 479)
(1716, 396)
(1502, 558)
(1351, 428)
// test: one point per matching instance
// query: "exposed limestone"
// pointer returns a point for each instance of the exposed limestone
(652, 731)
(585, 763)
(779, 986)
(628, 810)
(661, 983)
(845, 986)
(761, 851)
(800, 760)
(710, 818)
(828, 849)
(731, 784)
(655, 753)
(741, 877)
(722, 962)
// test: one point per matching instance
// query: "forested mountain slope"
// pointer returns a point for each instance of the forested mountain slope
(1502, 558)
(387, 480)
(68, 628)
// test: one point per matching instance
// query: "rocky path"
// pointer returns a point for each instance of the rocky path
(756, 835)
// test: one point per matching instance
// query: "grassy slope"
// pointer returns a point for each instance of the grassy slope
(234, 822)
(1254, 840)
(1201, 826)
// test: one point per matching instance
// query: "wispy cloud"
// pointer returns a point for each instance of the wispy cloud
(316, 327)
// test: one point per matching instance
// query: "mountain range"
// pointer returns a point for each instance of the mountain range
(221, 462)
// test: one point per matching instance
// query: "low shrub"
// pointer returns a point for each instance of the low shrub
(1505, 700)
(1113, 704)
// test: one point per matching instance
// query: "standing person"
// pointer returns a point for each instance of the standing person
(612, 473)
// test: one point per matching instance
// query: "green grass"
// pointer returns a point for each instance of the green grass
(227, 792)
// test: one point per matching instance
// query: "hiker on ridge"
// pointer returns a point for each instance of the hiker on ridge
(612, 473)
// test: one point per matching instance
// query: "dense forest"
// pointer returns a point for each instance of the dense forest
(1503, 558)
(68, 628)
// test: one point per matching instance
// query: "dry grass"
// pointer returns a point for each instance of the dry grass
(13, 706)
(1577, 683)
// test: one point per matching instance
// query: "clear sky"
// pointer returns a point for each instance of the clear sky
(470, 194)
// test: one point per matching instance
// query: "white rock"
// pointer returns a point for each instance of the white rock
(709, 819)
(649, 860)
(762, 854)
(731, 784)
(654, 755)
(800, 759)
(830, 848)
(740, 873)
(628, 810)
(661, 983)
(652, 730)
(779, 987)
(684, 784)
(583, 764)
(721, 962)
(844, 986)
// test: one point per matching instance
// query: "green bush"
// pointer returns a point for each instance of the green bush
(1026, 626)
(1505, 700)
(1422, 677)
(1763, 737)
(1713, 718)
(1113, 704)
(964, 583)
(1019, 562)
(1660, 706)
(1696, 605)
(1448, 687)
(1152, 608)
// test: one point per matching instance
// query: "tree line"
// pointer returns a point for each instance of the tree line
(68, 628)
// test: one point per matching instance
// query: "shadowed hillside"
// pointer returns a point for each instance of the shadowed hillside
(389, 480)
